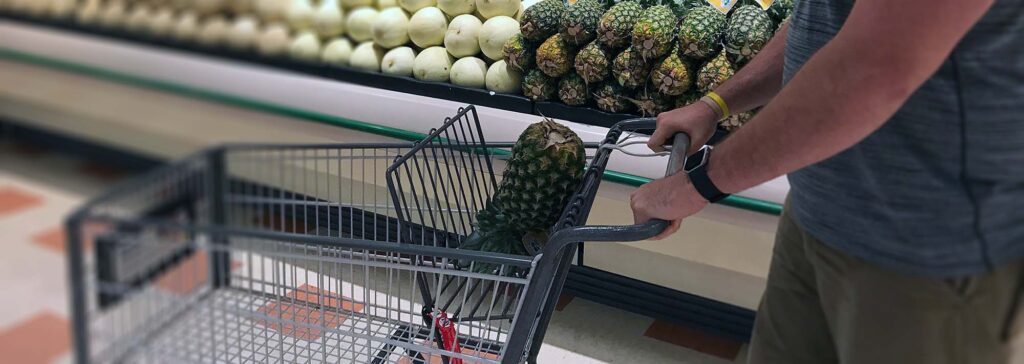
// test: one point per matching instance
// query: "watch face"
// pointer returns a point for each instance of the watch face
(698, 159)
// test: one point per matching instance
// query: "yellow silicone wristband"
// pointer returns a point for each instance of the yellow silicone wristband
(721, 103)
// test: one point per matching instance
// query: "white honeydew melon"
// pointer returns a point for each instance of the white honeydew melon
(469, 72)
(384, 4)
(305, 46)
(337, 52)
(519, 14)
(272, 10)
(274, 40)
(492, 8)
(138, 19)
(367, 57)
(502, 79)
(62, 8)
(360, 23)
(186, 27)
(427, 27)
(391, 28)
(457, 7)
(398, 61)
(300, 14)
(329, 20)
(213, 31)
(413, 5)
(205, 7)
(243, 32)
(461, 37)
(494, 33)
(432, 64)
(162, 22)
(89, 12)
(352, 4)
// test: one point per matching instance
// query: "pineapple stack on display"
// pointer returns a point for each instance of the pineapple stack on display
(639, 57)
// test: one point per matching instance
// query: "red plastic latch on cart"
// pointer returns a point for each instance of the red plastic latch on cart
(448, 335)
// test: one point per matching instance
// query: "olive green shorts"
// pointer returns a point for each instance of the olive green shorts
(823, 306)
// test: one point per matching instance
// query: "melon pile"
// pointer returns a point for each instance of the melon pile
(457, 41)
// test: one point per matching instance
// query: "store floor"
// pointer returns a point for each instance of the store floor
(39, 187)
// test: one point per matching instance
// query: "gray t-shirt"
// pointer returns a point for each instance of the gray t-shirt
(939, 189)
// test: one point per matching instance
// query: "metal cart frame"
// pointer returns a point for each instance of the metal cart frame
(255, 203)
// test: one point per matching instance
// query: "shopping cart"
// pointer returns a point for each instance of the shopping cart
(323, 254)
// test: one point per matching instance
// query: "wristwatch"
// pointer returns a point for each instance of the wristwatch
(699, 176)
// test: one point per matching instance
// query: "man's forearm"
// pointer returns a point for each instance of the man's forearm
(759, 81)
(848, 89)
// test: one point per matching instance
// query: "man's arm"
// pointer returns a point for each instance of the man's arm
(751, 87)
(856, 82)
(848, 89)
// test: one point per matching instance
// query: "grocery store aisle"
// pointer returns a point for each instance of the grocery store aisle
(38, 188)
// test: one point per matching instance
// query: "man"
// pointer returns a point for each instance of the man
(901, 126)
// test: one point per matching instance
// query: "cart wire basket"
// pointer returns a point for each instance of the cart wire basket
(328, 253)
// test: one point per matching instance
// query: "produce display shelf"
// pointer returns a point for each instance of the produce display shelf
(742, 202)
(480, 97)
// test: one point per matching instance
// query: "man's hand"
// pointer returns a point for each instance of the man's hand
(697, 120)
(672, 198)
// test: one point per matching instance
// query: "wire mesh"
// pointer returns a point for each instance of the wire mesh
(257, 254)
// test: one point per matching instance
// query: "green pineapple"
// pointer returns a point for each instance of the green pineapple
(779, 11)
(654, 32)
(700, 32)
(651, 103)
(539, 87)
(748, 31)
(611, 97)
(615, 29)
(713, 73)
(687, 98)
(579, 23)
(592, 63)
(671, 76)
(543, 172)
(629, 69)
(542, 20)
(519, 53)
(555, 56)
(572, 90)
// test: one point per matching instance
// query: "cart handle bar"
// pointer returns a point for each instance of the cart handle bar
(625, 233)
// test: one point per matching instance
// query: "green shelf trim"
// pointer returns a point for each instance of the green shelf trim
(741, 202)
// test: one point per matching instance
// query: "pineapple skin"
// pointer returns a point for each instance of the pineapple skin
(654, 32)
(630, 69)
(615, 28)
(579, 23)
(555, 56)
(519, 53)
(592, 63)
(542, 20)
(714, 72)
(700, 33)
(748, 31)
(541, 176)
(539, 87)
(671, 76)
(572, 90)
(611, 97)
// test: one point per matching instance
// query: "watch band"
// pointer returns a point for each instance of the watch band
(702, 183)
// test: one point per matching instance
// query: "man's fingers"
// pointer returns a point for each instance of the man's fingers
(657, 140)
(671, 229)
